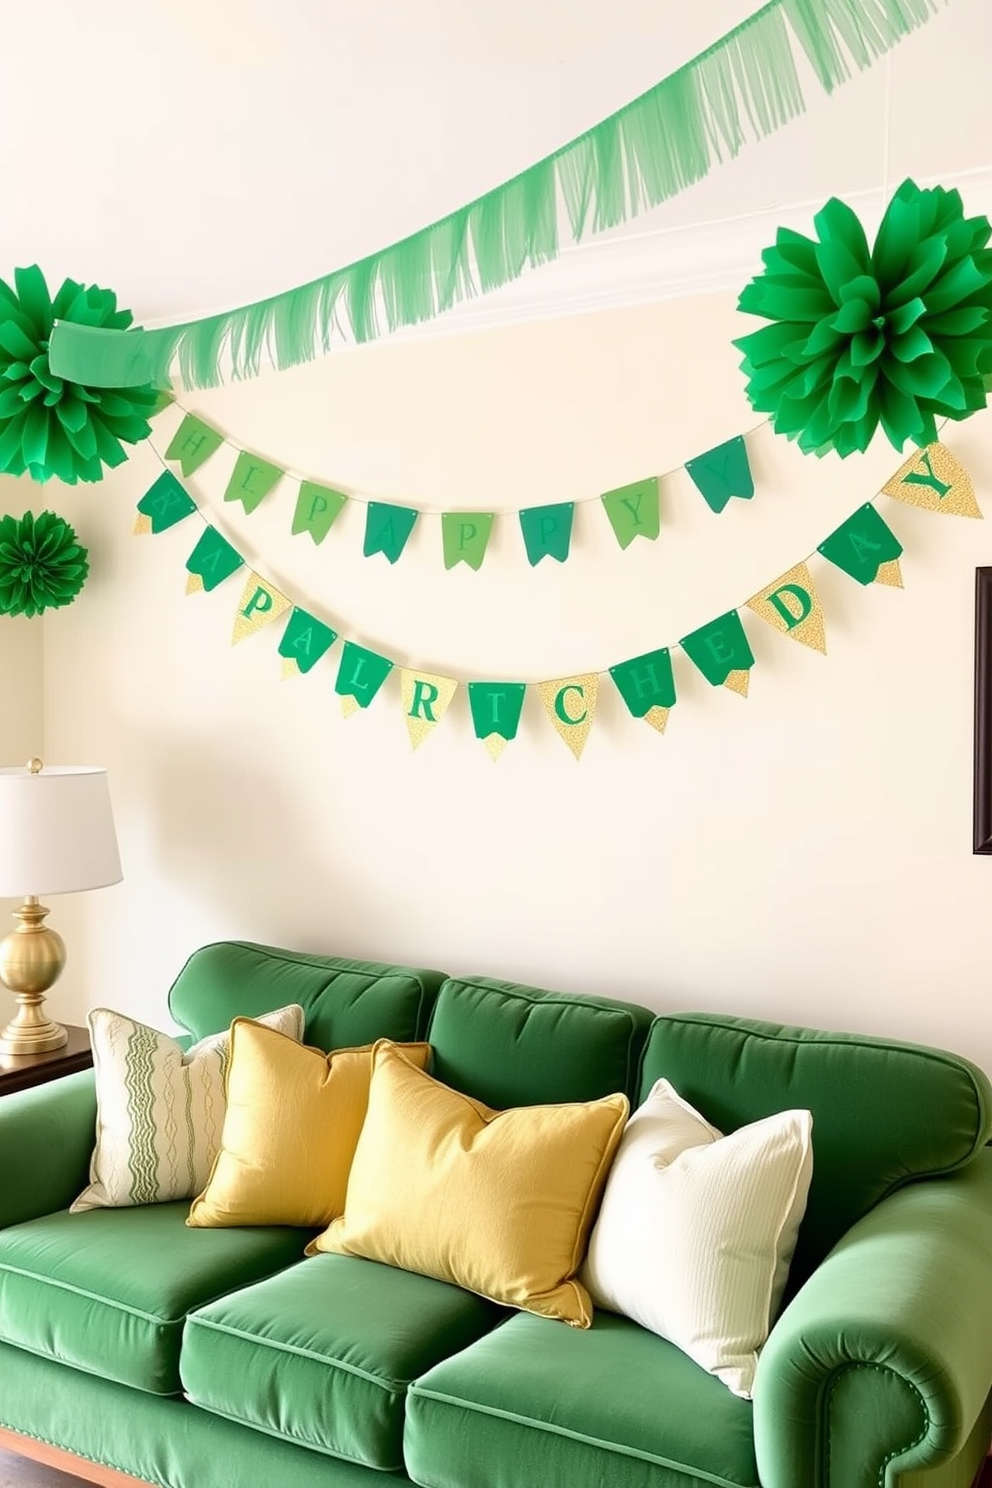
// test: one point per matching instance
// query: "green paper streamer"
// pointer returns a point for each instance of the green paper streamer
(305, 639)
(361, 673)
(213, 559)
(719, 648)
(646, 682)
(51, 426)
(251, 481)
(634, 511)
(496, 708)
(547, 531)
(166, 502)
(387, 528)
(317, 508)
(861, 545)
(193, 443)
(42, 565)
(722, 473)
(897, 335)
(465, 537)
(744, 86)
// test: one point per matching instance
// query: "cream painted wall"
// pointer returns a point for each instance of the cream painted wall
(803, 855)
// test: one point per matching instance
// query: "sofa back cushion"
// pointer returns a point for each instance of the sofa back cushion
(346, 1003)
(509, 1045)
(884, 1113)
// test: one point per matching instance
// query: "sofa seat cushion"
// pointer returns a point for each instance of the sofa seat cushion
(108, 1291)
(322, 1354)
(534, 1402)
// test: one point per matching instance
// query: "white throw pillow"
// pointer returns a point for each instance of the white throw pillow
(696, 1230)
(160, 1111)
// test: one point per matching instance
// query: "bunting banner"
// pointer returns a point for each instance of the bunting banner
(863, 546)
(632, 511)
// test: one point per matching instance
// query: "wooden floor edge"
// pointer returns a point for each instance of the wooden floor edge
(79, 1467)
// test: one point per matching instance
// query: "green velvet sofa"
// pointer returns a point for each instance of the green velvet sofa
(222, 1359)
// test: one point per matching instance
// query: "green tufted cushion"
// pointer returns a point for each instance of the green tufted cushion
(509, 1045)
(346, 1002)
(883, 1112)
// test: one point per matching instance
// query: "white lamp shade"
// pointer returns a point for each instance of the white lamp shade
(56, 831)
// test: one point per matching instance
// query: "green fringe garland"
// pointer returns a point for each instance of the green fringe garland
(743, 87)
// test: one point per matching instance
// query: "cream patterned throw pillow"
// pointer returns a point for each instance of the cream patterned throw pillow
(697, 1230)
(160, 1111)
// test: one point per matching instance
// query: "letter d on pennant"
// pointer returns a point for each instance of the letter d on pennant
(793, 607)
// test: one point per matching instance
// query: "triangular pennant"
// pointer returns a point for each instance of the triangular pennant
(866, 548)
(465, 536)
(251, 480)
(142, 525)
(496, 709)
(387, 529)
(793, 607)
(426, 698)
(165, 503)
(304, 642)
(722, 473)
(260, 605)
(934, 480)
(193, 442)
(360, 675)
(211, 562)
(721, 652)
(547, 531)
(571, 705)
(634, 511)
(647, 685)
(317, 508)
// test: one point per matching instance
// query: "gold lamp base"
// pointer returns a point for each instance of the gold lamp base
(31, 958)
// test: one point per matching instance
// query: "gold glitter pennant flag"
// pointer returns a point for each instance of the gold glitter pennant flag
(194, 583)
(890, 573)
(259, 605)
(657, 717)
(143, 525)
(793, 607)
(571, 705)
(934, 480)
(425, 701)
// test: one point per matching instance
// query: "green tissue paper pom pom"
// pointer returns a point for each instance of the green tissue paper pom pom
(899, 334)
(48, 426)
(42, 566)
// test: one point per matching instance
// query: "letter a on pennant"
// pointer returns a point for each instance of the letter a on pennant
(793, 607)
(866, 548)
(304, 642)
(936, 481)
(425, 701)
(260, 604)
(387, 528)
(211, 562)
(571, 705)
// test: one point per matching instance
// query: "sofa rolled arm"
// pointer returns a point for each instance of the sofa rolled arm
(46, 1141)
(882, 1362)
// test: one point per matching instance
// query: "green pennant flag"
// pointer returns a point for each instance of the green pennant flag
(360, 676)
(647, 685)
(317, 508)
(634, 511)
(496, 709)
(866, 548)
(721, 652)
(193, 442)
(251, 480)
(164, 504)
(465, 536)
(304, 641)
(387, 528)
(547, 531)
(722, 472)
(211, 562)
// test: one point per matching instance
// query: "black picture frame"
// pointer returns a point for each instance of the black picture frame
(983, 711)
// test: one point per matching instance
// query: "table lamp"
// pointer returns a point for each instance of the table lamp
(56, 837)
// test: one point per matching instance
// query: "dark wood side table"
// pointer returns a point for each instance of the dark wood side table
(21, 1071)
